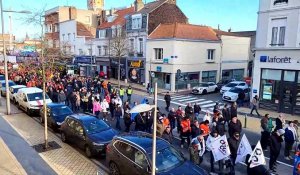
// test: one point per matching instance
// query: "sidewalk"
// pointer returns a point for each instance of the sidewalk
(9, 165)
(21, 132)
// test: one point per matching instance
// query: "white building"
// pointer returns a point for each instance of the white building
(201, 55)
(276, 78)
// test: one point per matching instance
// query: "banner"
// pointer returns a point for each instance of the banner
(220, 148)
(257, 156)
(243, 150)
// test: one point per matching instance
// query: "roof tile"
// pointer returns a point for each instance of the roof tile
(120, 19)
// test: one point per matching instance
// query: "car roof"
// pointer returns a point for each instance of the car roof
(18, 86)
(31, 90)
(83, 117)
(53, 105)
(238, 82)
(143, 140)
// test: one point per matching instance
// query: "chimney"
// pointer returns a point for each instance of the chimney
(229, 30)
(138, 5)
(172, 2)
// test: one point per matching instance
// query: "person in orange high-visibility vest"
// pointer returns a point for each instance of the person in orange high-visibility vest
(185, 130)
(165, 121)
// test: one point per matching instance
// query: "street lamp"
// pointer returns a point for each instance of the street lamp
(4, 55)
(143, 108)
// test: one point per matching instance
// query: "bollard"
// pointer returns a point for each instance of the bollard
(245, 125)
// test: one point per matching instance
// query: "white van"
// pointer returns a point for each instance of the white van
(31, 99)
(13, 92)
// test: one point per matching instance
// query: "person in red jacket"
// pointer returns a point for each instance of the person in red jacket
(185, 131)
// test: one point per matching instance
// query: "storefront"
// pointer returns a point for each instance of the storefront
(276, 80)
(115, 67)
(186, 79)
(103, 66)
(237, 74)
(209, 76)
(136, 71)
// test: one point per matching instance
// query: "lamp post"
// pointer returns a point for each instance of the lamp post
(5, 58)
(143, 108)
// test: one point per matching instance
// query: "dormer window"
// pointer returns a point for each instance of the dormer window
(280, 1)
(137, 21)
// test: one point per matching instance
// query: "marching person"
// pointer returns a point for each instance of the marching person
(121, 93)
(233, 110)
(257, 170)
(172, 119)
(197, 110)
(168, 101)
(179, 115)
(127, 120)
(226, 113)
(195, 129)
(265, 133)
(216, 108)
(205, 130)
(276, 139)
(167, 135)
(189, 110)
(118, 116)
(254, 104)
(234, 126)
(213, 136)
(129, 93)
(233, 143)
(96, 108)
(289, 138)
(105, 108)
(279, 121)
(185, 131)
(197, 149)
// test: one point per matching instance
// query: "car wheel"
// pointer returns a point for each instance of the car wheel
(64, 137)
(204, 91)
(114, 169)
(88, 151)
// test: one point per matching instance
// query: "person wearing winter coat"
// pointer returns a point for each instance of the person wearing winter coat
(265, 134)
(77, 101)
(212, 138)
(105, 108)
(207, 117)
(96, 107)
(279, 121)
(160, 126)
(167, 100)
(235, 125)
(189, 110)
(195, 129)
(219, 124)
(226, 113)
(61, 97)
(197, 149)
(289, 138)
(233, 110)
(197, 110)
(140, 122)
(185, 131)
(127, 120)
(179, 116)
(276, 139)
(167, 135)
(234, 143)
(172, 118)
(118, 115)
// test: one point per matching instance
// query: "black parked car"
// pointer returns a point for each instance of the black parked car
(56, 114)
(223, 82)
(88, 133)
(132, 154)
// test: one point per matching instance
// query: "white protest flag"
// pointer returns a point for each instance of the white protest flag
(220, 148)
(257, 156)
(243, 150)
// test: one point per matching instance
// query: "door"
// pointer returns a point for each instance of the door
(79, 135)
(288, 97)
(124, 157)
(69, 130)
(140, 164)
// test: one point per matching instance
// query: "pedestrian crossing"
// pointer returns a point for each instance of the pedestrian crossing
(205, 104)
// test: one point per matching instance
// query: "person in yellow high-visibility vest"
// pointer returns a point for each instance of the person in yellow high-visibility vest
(121, 93)
(129, 93)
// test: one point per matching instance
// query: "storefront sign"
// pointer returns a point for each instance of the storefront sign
(158, 69)
(275, 59)
(136, 64)
(267, 92)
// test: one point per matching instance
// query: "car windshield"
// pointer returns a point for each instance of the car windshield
(10, 83)
(16, 89)
(167, 159)
(231, 85)
(95, 126)
(36, 96)
(203, 85)
(61, 110)
(236, 90)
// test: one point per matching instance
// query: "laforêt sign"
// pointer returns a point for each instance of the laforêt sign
(268, 59)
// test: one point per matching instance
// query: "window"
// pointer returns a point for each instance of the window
(278, 31)
(78, 128)
(159, 53)
(136, 21)
(280, 2)
(125, 149)
(63, 36)
(289, 76)
(131, 45)
(270, 85)
(209, 76)
(210, 54)
(71, 123)
(99, 50)
(69, 36)
(87, 19)
(105, 50)
(102, 33)
(141, 45)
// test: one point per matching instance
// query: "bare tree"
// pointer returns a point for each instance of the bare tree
(118, 46)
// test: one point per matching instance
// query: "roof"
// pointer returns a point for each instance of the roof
(119, 20)
(144, 140)
(184, 31)
(31, 90)
(237, 34)
(85, 30)
(149, 7)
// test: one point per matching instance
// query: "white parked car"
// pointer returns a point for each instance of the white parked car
(13, 92)
(233, 94)
(205, 88)
(227, 87)
(31, 99)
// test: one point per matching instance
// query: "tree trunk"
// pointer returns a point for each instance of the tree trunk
(44, 107)
(119, 73)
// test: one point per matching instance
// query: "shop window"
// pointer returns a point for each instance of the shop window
(270, 85)
(159, 53)
(271, 74)
(209, 76)
(289, 76)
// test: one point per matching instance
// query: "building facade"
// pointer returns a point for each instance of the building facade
(276, 78)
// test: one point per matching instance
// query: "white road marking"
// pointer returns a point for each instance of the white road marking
(193, 101)
(187, 100)
(204, 102)
(208, 105)
(186, 97)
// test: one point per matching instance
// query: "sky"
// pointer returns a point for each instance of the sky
(239, 15)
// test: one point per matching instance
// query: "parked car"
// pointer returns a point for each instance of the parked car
(132, 153)
(56, 114)
(88, 133)
(3, 88)
(223, 82)
(227, 87)
(205, 88)
(13, 92)
(31, 100)
(233, 93)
